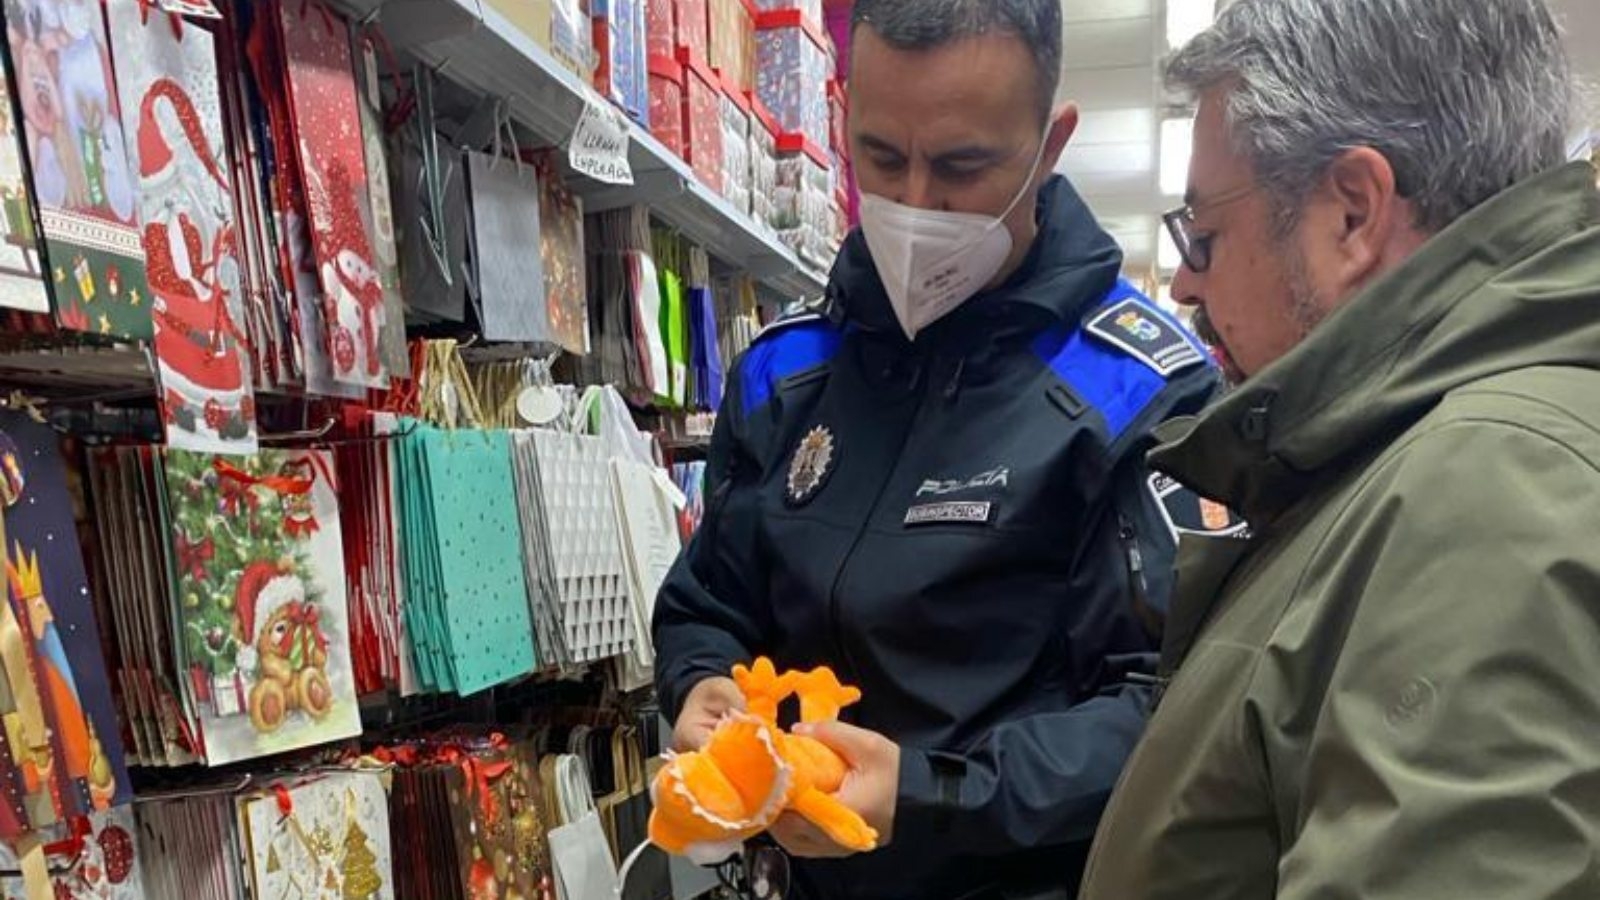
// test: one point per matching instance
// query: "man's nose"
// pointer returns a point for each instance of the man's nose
(1186, 284)
(920, 190)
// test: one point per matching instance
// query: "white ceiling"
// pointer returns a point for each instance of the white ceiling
(1111, 51)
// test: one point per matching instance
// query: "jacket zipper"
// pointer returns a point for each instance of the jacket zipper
(835, 623)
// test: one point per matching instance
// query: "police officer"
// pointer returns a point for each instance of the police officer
(936, 484)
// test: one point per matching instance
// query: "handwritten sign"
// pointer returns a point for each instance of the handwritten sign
(599, 147)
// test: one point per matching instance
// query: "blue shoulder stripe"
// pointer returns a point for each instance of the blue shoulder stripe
(1105, 374)
(783, 349)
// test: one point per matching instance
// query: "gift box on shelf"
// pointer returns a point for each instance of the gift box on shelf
(810, 9)
(803, 199)
(572, 37)
(661, 27)
(736, 163)
(693, 27)
(622, 49)
(667, 118)
(560, 27)
(702, 127)
(838, 108)
(732, 41)
(792, 77)
(763, 164)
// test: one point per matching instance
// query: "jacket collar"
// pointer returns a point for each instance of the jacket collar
(1515, 283)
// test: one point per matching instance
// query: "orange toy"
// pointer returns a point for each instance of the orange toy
(708, 803)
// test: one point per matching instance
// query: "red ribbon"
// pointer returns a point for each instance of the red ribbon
(194, 556)
(307, 631)
(278, 484)
(285, 802)
(479, 775)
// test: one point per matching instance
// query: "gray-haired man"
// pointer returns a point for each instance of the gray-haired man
(1390, 691)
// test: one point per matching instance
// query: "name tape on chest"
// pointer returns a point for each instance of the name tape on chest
(1132, 326)
(957, 513)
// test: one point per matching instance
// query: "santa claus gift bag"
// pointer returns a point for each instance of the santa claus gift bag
(171, 106)
(259, 581)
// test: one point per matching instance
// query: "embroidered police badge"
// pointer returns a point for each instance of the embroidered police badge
(811, 466)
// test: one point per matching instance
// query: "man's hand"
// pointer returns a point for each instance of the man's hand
(708, 702)
(871, 788)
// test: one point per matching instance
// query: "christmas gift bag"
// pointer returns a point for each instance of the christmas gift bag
(326, 839)
(82, 181)
(21, 267)
(379, 213)
(106, 868)
(499, 824)
(62, 731)
(566, 289)
(510, 282)
(332, 156)
(171, 105)
(481, 576)
(259, 583)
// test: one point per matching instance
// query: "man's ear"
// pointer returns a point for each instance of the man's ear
(1368, 215)
(1063, 124)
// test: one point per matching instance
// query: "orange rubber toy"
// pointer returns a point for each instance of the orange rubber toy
(708, 803)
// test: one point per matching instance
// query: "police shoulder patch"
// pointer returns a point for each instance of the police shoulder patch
(1189, 513)
(1133, 325)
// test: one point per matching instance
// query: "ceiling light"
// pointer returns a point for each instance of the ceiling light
(1177, 141)
(1187, 18)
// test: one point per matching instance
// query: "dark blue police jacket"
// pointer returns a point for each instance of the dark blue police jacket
(965, 528)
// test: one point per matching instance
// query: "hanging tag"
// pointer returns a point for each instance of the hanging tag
(599, 146)
(539, 405)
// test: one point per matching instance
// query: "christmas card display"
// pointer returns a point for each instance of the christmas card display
(83, 184)
(63, 750)
(107, 867)
(463, 559)
(21, 273)
(332, 159)
(259, 584)
(510, 280)
(167, 77)
(565, 266)
(326, 838)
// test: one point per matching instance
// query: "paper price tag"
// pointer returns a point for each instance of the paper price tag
(599, 147)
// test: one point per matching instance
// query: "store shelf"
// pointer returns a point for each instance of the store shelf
(478, 48)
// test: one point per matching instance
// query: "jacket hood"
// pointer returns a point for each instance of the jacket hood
(1073, 262)
(1513, 284)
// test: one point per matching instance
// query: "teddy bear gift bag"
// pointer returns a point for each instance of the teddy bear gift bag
(259, 581)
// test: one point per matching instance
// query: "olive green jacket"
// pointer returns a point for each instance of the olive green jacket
(1392, 690)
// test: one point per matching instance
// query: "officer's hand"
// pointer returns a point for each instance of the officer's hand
(708, 702)
(872, 788)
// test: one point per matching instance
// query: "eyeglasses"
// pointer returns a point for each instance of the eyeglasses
(761, 873)
(1196, 249)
